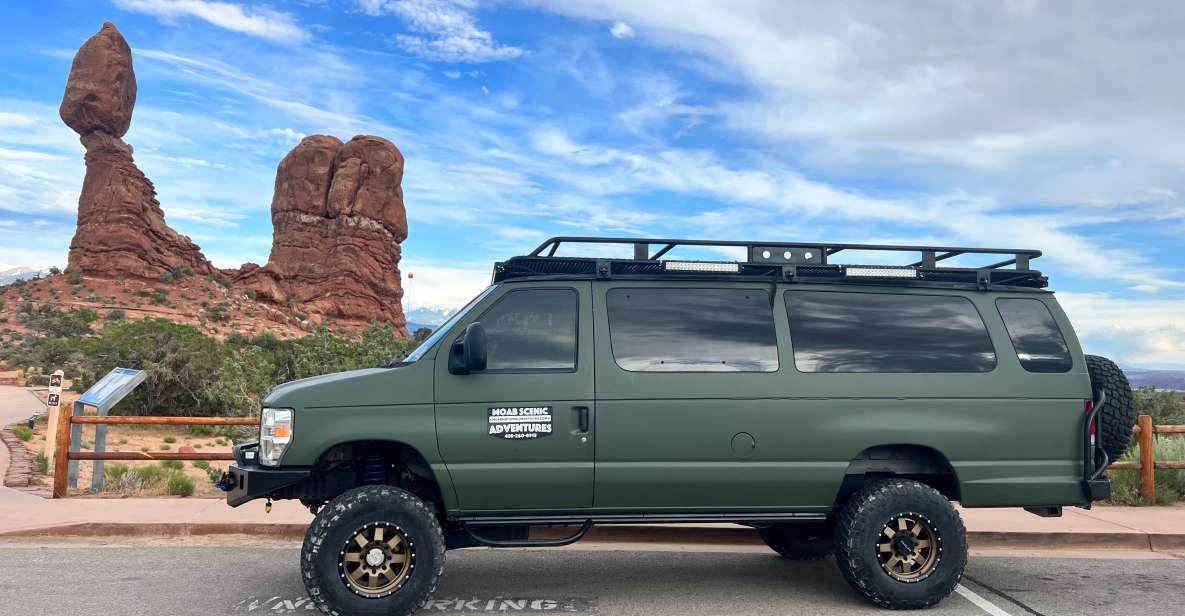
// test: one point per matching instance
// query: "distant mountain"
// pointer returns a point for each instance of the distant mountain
(412, 326)
(430, 317)
(19, 273)
(1160, 379)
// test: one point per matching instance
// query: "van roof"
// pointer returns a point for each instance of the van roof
(1004, 268)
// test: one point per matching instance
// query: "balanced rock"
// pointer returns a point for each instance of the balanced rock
(121, 228)
(101, 89)
(338, 219)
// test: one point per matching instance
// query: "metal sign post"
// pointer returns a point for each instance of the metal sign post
(53, 404)
(103, 396)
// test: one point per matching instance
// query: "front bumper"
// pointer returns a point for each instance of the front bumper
(246, 480)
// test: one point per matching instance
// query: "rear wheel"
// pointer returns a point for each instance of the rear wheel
(901, 544)
(1118, 415)
(372, 550)
(799, 541)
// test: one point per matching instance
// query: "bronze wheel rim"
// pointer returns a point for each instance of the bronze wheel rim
(377, 560)
(908, 548)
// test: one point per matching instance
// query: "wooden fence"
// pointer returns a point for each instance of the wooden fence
(63, 455)
(1147, 464)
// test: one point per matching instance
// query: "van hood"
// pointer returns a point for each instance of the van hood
(406, 384)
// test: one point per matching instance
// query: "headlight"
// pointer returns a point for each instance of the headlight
(275, 432)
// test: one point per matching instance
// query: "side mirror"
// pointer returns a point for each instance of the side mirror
(468, 354)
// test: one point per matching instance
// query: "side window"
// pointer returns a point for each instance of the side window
(1039, 343)
(532, 329)
(882, 332)
(692, 330)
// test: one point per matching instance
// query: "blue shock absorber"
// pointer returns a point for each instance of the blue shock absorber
(374, 470)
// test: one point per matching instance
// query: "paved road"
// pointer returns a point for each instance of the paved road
(70, 579)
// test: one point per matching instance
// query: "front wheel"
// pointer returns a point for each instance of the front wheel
(901, 544)
(372, 550)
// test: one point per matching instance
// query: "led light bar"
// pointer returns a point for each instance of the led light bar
(701, 266)
(880, 272)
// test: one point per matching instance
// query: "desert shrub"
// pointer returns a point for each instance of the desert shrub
(1170, 484)
(145, 449)
(1165, 407)
(197, 445)
(159, 296)
(151, 473)
(165, 446)
(122, 441)
(41, 463)
(202, 464)
(74, 277)
(214, 473)
(173, 465)
(54, 270)
(116, 315)
(166, 277)
(170, 439)
(180, 485)
(200, 430)
(23, 432)
(114, 470)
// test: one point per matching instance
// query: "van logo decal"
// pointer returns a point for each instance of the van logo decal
(519, 422)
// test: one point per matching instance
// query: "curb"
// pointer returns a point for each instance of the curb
(611, 534)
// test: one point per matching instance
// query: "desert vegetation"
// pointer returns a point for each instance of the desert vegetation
(190, 373)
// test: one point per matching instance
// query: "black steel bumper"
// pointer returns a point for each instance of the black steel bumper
(246, 480)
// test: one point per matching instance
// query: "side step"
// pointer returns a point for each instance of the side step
(514, 532)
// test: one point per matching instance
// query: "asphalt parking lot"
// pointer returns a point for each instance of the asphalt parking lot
(166, 579)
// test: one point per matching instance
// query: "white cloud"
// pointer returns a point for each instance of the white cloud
(621, 30)
(259, 21)
(1133, 332)
(445, 30)
(432, 285)
(1023, 99)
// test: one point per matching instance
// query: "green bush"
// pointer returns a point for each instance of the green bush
(74, 277)
(145, 449)
(173, 465)
(202, 464)
(115, 470)
(170, 439)
(23, 433)
(201, 430)
(41, 463)
(116, 315)
(149, 474)
(214, 473)
(1165, 407)
(1170, 484)
(165, 446)
(180, 485)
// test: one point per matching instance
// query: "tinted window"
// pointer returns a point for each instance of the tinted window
(874, 332)
(692, 330)
(1039, 343)
(533, 329)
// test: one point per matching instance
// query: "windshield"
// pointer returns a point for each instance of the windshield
(425, 346)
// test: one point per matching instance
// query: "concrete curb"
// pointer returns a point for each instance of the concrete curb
(610, 534)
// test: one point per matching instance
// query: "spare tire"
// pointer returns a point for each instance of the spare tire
(1118, 415)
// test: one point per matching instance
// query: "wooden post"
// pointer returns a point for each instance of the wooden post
(61, 461)
(1147, 461)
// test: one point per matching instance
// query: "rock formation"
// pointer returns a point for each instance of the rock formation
(121, 228)
(339, 219)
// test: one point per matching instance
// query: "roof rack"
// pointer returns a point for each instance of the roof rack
(814, 262)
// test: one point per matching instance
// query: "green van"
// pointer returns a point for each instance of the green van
(835, 408)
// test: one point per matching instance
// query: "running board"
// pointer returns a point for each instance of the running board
(658, 518)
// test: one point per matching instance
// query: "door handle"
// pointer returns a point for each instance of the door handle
(582, 418)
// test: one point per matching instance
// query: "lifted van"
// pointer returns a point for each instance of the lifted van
(835, 408)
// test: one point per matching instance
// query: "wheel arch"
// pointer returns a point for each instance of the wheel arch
(921, 463)
(402, 465)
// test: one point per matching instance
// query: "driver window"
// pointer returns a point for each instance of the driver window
(532, 329)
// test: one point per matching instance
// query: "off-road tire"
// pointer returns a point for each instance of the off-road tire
(803, 541)
(1118, 415)
(859, 529)
(336, 523)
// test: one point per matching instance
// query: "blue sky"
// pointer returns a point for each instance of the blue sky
(1023, 124)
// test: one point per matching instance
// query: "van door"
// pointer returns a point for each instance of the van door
(691, 401)
(518, 436)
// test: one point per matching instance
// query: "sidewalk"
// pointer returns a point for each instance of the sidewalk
(1143, 528)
